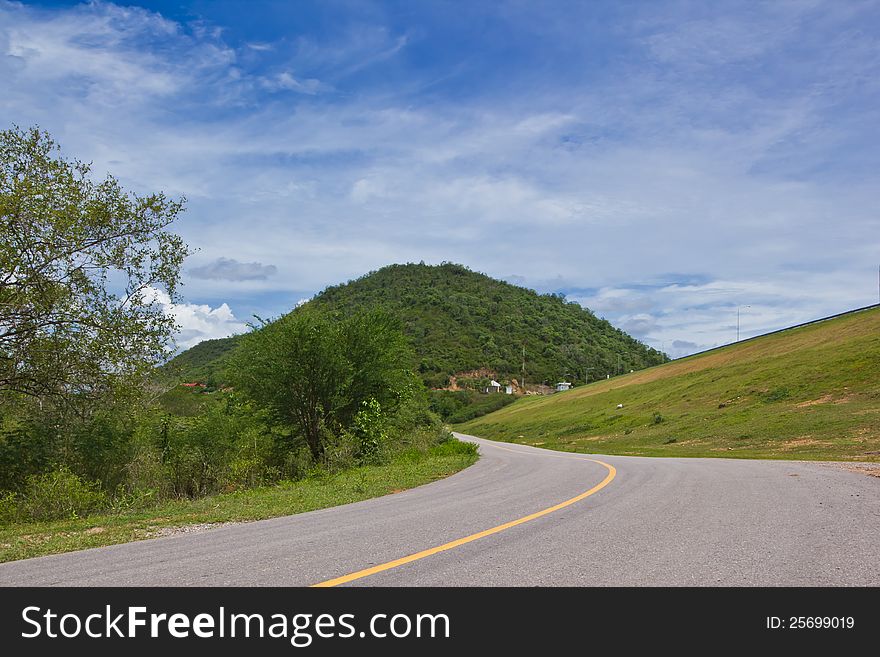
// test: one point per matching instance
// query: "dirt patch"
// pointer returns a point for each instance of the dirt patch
(870, 469)
(824, 399)
(186, 529)
(804, 441)
(95, 530)
(865, 434)
(592, 438)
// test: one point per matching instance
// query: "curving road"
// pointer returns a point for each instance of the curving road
(553, 519)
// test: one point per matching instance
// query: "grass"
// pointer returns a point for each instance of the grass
(807, 393)
(406, 470)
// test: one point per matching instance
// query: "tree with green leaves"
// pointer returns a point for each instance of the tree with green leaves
(316, 372)
(81, 262)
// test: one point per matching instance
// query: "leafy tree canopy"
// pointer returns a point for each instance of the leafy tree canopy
(316, 373)
(80, 264)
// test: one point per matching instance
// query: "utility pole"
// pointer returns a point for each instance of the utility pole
(587, 374)
(524, 369)
(737, 321)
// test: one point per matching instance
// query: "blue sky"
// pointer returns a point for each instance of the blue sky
(663, 163)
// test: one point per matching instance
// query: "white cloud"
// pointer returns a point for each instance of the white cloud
(197, 322)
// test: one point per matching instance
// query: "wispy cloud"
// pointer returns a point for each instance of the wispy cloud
(575, 148)
(229, 269)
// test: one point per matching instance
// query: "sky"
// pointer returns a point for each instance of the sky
(669, 165)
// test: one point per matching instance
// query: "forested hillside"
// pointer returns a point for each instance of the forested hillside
(459, 320)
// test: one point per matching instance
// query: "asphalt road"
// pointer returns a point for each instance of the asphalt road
(656, 522)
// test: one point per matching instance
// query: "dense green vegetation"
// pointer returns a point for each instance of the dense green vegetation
(314, 395)
(806, 393)
(418, 464)
(463, 405)
(459, 320)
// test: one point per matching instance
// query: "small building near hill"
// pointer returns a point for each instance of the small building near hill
(494, 386)
(563, 386)
(508, 389)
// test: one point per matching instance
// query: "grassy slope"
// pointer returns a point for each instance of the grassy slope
(806, 393)
(406, 470)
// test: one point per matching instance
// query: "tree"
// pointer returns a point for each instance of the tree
(315, 372)
(80, 266)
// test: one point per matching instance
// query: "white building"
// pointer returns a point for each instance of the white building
(494, 386)
(562, 386)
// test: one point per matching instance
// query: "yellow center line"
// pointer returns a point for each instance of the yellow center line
(366, 572)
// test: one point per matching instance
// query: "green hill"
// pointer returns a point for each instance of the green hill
(805, 393)
(204, 362)
(460, 321)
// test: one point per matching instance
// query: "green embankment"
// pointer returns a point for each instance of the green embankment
(805, 393)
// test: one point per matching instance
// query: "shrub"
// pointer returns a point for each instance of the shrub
(60, 494)
(775, 395)
(453, 446)
(369, 430)
(247, 472)
(137, 500)
(340, 450)
(146, 477)
(8, 507)
(297, 463)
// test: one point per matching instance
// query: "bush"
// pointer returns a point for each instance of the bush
(8, 507)
(777, 394)
(340, 450)
(59, 494)
(481, 404)
(297, 463)
(26, 445)
(124, 501)
(146, 477)
(454, 446)
(369, 430)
